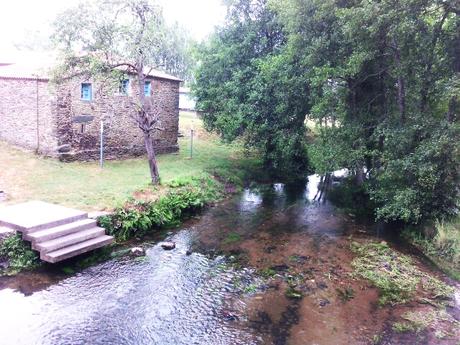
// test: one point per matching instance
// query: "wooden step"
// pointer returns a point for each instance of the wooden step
(76, 249)
(59, 231)
(66, 241)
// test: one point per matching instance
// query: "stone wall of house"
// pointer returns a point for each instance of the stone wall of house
(79, 121)
(26, 118)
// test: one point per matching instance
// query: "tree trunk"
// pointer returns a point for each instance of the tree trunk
(453, 111)
(359, 177)
(401, 84)
(151, 158)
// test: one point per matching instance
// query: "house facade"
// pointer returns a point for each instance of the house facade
(186, 100)
(64, 120)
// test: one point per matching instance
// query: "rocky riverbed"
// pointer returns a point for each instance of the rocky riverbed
(269, 266)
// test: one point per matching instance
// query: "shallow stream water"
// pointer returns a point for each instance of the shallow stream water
(206, 297)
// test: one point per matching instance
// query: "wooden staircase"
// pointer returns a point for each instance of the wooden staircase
(56, 232)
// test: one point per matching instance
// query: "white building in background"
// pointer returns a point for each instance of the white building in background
(186, 100)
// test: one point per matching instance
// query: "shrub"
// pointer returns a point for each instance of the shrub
(136, 219)
(18, 253)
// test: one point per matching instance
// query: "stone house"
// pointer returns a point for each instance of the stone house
(64, 120)
(186, 100)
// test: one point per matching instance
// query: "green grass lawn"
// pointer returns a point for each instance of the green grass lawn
(25, 176)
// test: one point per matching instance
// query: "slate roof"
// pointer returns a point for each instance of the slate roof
(38, 68)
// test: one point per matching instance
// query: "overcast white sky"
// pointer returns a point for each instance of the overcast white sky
(22, 18)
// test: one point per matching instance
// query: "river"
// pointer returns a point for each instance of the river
(208, 290)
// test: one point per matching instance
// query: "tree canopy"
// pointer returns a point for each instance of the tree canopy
(247, 86)
(379, 79)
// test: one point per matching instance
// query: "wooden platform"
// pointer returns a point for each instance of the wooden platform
(57, 232)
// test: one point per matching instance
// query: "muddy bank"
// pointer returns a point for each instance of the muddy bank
(305, 247)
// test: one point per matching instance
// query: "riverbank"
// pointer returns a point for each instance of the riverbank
(266, 266)
(440, 242)
(146, 215)
(84, 185)
(188, 184)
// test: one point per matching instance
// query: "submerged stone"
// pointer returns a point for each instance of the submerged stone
(137, 251)
(324, 302)
(168, 245)
(229, 316)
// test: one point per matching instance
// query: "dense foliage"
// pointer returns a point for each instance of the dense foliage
(137, 218)
(247, 86)
(18, 254)
(380, 81)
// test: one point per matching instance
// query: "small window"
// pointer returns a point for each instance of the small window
(124, 87)
(147, 88)
(86, 93)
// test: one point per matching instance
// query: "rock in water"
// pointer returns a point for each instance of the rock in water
(229, 316)
(137, 251)
(168, 245)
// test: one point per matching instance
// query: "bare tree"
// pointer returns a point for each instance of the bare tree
(112, 38)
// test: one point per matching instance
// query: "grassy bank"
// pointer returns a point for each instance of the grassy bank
(188, 184)
(85, 185)
(395, 275)
(440, 242)
(182, 198)
(137, 218)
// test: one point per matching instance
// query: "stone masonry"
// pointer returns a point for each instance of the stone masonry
(26, 116)
(54, 121)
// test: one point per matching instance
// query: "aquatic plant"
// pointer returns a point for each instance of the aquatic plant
(417, 321)
(394, 274)
(267, 272)
(250, 289)
(232, 237)
(292, 292)
(345, 294)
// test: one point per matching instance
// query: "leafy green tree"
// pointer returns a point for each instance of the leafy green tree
(380, 79)
(384, 91)
(248, 86)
